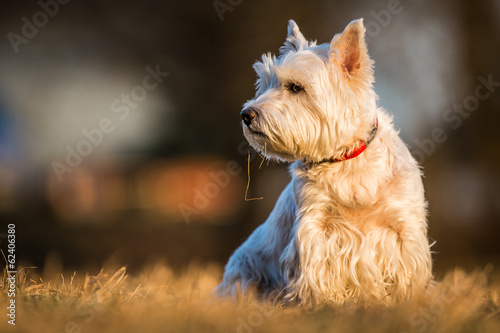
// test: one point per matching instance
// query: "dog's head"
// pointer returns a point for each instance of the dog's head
(312, 101)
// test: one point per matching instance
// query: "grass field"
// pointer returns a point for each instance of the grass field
(157, 300)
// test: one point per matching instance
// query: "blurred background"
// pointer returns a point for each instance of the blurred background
(120, 132)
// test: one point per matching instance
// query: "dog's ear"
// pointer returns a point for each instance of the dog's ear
(294, 40)
(349, 50)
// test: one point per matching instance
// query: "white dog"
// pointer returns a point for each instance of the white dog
(351, 225)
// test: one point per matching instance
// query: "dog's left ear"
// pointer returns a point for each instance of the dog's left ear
(349, 50)
(295, 40)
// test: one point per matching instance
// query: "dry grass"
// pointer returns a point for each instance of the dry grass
(157, 300)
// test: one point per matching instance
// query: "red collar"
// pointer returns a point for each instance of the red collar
(361, 147)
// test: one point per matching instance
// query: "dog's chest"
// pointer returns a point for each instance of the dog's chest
(340, 202)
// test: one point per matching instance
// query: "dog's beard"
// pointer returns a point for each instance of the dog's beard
(267, 145)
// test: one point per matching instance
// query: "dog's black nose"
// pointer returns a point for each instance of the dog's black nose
(248, 115)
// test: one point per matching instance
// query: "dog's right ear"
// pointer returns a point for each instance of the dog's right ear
(294, 40)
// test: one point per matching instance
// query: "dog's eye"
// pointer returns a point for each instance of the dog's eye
(294, 88)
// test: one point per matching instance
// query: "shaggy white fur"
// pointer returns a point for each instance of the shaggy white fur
(353, 230)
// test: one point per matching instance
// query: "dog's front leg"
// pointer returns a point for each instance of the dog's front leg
(322, 259)
(303, 261)
(254, 266)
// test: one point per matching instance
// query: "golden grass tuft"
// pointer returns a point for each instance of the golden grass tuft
(157, 300)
